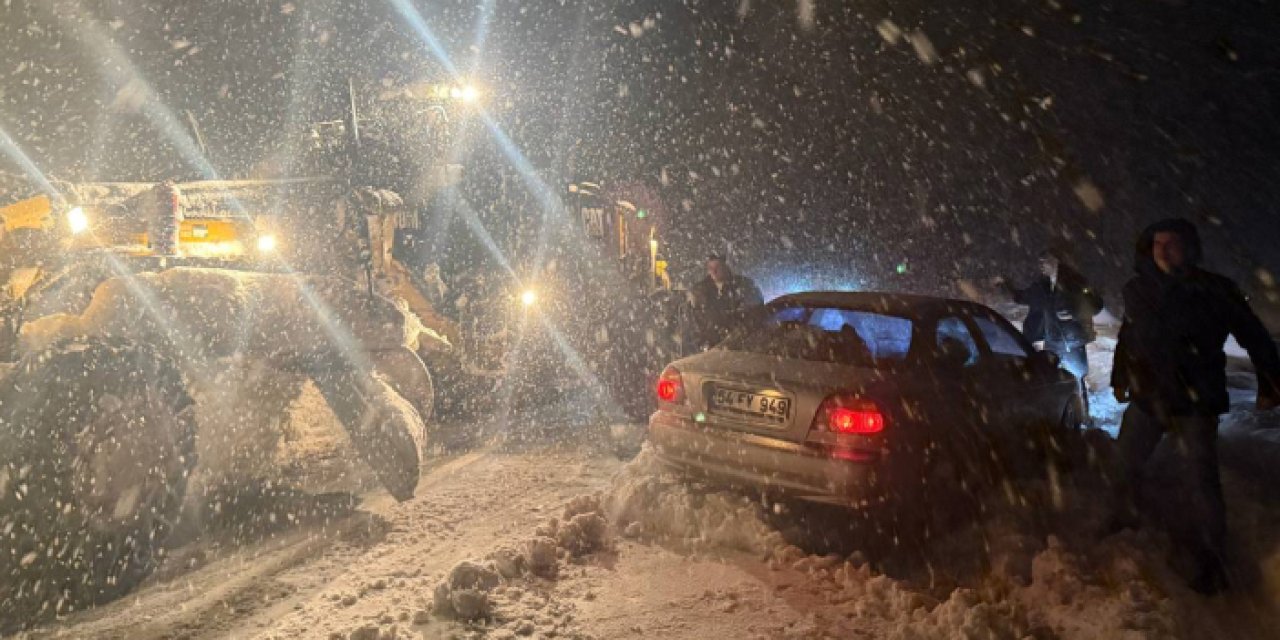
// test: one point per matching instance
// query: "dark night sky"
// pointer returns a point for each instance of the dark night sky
(798, 141)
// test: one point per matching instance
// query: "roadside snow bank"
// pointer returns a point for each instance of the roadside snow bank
(1019, 572)
(1114, 590)
(645, 499)
(509, 590)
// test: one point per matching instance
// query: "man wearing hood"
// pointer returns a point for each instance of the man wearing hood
(1170, 365)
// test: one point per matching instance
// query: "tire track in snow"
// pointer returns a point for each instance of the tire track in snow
(498, 500)
(205, 601)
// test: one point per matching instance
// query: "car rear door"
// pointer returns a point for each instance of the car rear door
(1032, 393)
(1002, 400)
(1027, 398)
(1040, 393)
(955, 410)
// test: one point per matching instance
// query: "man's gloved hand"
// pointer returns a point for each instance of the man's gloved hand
(1121, 394)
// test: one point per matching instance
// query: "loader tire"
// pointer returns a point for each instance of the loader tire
(97, 441)
(384, 427)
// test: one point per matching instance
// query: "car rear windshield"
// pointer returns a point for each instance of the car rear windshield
(825, 334)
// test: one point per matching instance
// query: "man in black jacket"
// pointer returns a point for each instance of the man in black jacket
(721, 300)
(1170, 364)
(1061, 306)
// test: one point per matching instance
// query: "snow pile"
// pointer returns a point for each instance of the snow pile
(584, 530)
(1113, 592)
(646, 499)
(1258, 425)
(1012, 578)
(503, 590)
(465, 592)
(1103, 408)
(963, 615)
(542, 556)
(374, 632)
(508, 562)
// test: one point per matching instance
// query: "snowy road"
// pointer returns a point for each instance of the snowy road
(684, 560)
(378, 563)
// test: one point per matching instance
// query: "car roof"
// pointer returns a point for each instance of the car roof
(904, 304)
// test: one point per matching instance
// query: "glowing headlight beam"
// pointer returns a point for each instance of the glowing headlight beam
(553, 207)
(572, 357)
(469, 217)
(419, 26)
(482, 30)
(77, 221)
(125, 77)
(15, 153)
(554, 210)
(303, 69)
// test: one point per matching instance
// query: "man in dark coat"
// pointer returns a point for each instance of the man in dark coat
(1061, 306)
(721, 300)
(1170, 365)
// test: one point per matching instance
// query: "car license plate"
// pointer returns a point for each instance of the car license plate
(770, 406)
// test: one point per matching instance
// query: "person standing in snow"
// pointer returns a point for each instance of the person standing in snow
(1061, 306)
(1170, 366)
(721, 300)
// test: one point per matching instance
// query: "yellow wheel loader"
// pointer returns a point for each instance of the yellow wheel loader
(152, 339)
(122, 407)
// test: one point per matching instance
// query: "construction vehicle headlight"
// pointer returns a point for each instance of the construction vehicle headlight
(77, 221)
(528, 297)
(266, 243)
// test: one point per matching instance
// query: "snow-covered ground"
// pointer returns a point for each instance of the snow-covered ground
(538, 531)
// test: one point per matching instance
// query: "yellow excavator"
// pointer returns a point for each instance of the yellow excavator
(153, 336)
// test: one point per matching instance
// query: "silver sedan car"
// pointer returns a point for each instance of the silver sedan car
(859, 398)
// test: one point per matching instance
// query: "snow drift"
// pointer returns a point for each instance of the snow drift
(1035, 575)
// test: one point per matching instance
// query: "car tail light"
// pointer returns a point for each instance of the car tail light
(849, 415)
(670, 386)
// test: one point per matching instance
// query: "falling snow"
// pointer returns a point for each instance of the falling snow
(394, 319)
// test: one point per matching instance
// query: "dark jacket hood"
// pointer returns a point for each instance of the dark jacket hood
(1144, 264)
